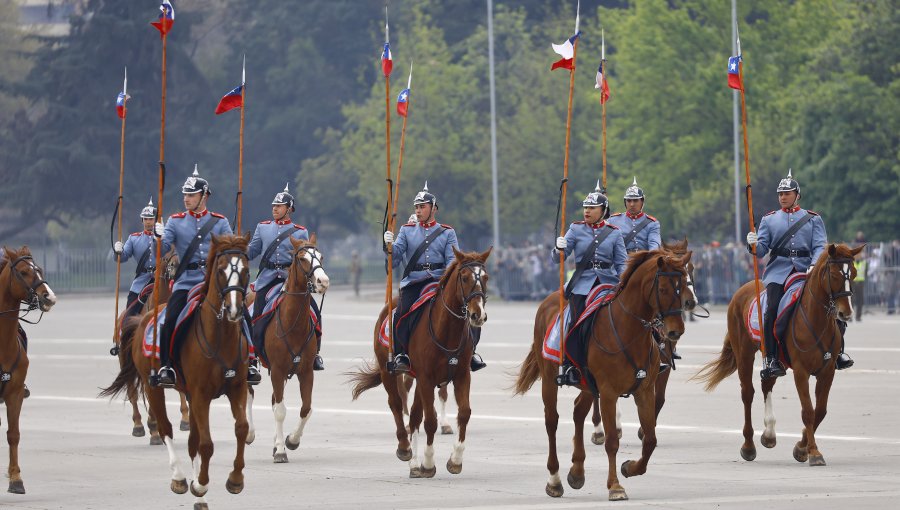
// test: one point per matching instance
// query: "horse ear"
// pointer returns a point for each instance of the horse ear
(660, 262)
(313, 239)
(10, 254)
(248, 235)
(832, 249)
(686, 258)
(295, 242)
(855, 251)
(484, 256)
(458, 254)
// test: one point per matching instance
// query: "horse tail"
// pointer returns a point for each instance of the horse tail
(718, 369)
(529, 372)
(128, 373)
(365, 378)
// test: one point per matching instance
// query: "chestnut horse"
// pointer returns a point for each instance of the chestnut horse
(812, 341)
(440, 349)
(212, 362)
(622, 357)
(171, 264)
(21, 282)
(689, 302)
(291, 343)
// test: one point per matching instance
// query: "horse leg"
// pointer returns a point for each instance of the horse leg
(415, 419)
(13, 410)
(157, 399)
(200, 417)
(152, 425)
(461, 393)
(305, 379)
(646, 406)
(405, 387)
(608, 404)
(446, 428)
(549, 393)
(662, 380)
(251, 432)
(745, 376)
(425, 396)
(768, 436)
(137, 429)
(583, 403)
(597, 437)
(806, 448)
(395, 402)
(279, 381)
(185, 417)
(238, 399)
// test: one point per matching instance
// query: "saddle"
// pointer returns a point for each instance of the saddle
(274, 297)
(793, 289)
(597, 298)
(427, 294)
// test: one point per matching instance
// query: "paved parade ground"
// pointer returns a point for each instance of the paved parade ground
(77, 450)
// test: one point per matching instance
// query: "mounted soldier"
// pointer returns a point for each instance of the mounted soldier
(271, 240)
(139, 245)
(190, 233)
(426, 248)
(600, 257)
(794, 238)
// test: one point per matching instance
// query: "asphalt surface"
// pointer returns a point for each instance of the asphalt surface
(77, 450)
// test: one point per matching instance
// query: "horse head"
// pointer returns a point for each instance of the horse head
(688, 299)
(308, 262)
(666, 293)
(834, 274)
(471, 281)
(26, 282)
(228, 274)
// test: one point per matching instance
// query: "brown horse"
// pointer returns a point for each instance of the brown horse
(21, 281)
(212, 362)
(812, 341)
(689, 302)
(622, 357)
(171, 264)
(440, 349)
(291, 343)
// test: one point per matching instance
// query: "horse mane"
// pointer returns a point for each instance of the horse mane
(4, 259)
(467, 256)
(634, 262)
(840, 251)
(225, 242)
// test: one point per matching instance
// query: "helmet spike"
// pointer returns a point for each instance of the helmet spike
(597, 187)
(789, 173)
(286, 186)
(196, 174)
(426, 185)
(634, 182)
(150, 203)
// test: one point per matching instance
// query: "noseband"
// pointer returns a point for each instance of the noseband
(478, 290)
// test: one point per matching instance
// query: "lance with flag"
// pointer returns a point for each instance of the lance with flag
(603, 85)
(121, 110)
(569, 52)
(166, 18)
(403, 111)
(236, 98)
(387, 66)
(736, 81)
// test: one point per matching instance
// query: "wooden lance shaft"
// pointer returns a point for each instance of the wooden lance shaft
(562, 217)
(119, 219)
(157, 275)
(389, 292)
(240, 193)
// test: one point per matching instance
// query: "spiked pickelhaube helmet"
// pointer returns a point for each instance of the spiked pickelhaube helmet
(596, 198)
(284, 198)
(149, 211)
(634, 192)
(789, 184)
(195, 184)
(425, 197)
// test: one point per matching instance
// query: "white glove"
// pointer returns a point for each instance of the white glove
(752, 238)
(388, 237)
(118, 247)
(561, 243)
(810, 268)
(159, 229)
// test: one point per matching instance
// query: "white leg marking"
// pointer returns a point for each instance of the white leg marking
(769, 419)
(554, 480)
(251, 434)
(457, 454)
(280, 412)
(298, 432)
(618, 418)
(414, 446)
(444, 422)
(177, 474)
(428, 463)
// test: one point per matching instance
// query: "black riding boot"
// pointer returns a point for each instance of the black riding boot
(772, 367)
(476, 363)
(843, 360)
(318, 362)
(166, 375)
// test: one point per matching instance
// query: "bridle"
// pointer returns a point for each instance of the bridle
(479, 289)
(241, 287)
(829, 307)
(32, 300)
(315, 262)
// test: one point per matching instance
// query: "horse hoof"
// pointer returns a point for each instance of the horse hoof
(16, 487)
(196, 492)
(201, 506)
(156, 440)
(554, 491)
(624, 470)
(575, 482)
(251, 436)
(618, 495)
(138, 431)
(404, 455)
(748, 454)
(421, 472)
(816, 460)
(768, 442)
(598, 438)
(454, 468)
(290, 444)
(184, 426)
(234, 488)
(800, 454)
(641, 434)
(179, 486)
(446, 430)
(280, 458)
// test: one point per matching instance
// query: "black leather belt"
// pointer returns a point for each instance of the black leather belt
(632, 250)
(269, 265)
(427, 267)
(196, 265)
(602, 265)
(148, 270)
(784, 252)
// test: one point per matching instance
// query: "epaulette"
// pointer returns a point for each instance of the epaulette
(610, 225)
(217, 215)
(578, 222)
(408, 225)
(812, 212)
(770, 213)
(446, 226)
(301, 227)
(618, 214)
(265, 222)
(178, 215)
(136, 234)
(651, 218)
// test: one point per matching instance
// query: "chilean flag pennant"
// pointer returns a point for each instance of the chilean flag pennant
(403, 98)
(235, 98)
(734, 72)
(567, 49)
(123, 97)
(166, 18)
(387, 63)
(602, 84)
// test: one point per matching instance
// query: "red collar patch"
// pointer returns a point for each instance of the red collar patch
(199, 215)
(429, 224)
(638, 215)
(791, 210)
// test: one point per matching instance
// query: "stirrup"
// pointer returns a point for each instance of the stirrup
(663, 367)
(399, 365)
(571, 376)
(165, 378)
(477, 363)
(675, 354)
(253, 375)
(318, 363)
(772, 368)
(843, 361)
